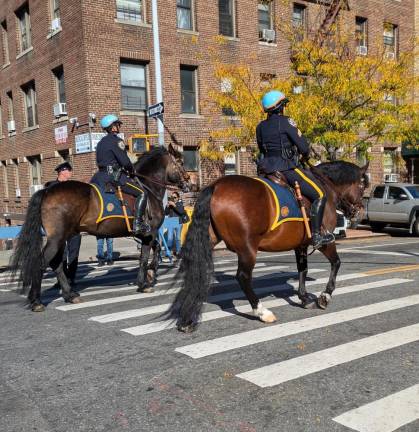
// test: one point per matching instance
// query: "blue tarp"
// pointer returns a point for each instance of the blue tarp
(9, 232)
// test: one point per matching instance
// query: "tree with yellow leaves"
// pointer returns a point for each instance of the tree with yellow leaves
(343, 103)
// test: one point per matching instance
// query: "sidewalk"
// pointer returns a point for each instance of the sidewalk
(126, 248)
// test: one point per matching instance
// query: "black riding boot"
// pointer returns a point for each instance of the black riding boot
(141, 227)
(316, 216)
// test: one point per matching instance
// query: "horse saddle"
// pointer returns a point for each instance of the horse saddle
(110, 204)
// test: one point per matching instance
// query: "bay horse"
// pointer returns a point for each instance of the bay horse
(240, 211)
(71, 207)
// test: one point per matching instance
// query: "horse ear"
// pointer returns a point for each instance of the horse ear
(365, 168)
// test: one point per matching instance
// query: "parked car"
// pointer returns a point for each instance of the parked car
(341, 224)
(395, 204)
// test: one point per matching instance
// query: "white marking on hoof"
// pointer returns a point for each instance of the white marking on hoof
(326, 296)
(265, 315)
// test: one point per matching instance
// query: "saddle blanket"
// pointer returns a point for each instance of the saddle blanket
(110, 206)
(287, 208)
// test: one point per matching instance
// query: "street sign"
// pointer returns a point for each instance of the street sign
(156, 110)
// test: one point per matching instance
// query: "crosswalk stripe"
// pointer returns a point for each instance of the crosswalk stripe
(374, 252)
(153, 327)
(226, 283)
(298, 367)
(252, 337)
(384, 415)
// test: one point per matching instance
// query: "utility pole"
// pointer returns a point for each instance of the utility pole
(159, 91)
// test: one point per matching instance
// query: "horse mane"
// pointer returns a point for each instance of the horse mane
(150, 161)
(340, 172)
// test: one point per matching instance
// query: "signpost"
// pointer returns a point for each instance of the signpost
(156, 110)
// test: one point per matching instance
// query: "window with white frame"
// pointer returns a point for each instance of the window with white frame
(30, 104)
(129, 10)
(361, 31)
(390, 38)
(226, 12)
(188, 89)
(265, 21)
(16, 175)
(55, 9)
(133, 87)
(10, 110)
(230, 164)
(59, 84)
(35, 164)
(4, 43)
(5, 179)
(184, 11)
(24, 22)
(190, 158)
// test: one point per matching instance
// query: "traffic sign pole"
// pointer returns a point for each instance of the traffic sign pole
(156, 44)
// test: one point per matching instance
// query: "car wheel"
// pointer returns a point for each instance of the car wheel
(416, 227)
(377, 226)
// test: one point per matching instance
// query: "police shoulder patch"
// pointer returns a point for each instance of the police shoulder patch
(292, 122)
(121, 145)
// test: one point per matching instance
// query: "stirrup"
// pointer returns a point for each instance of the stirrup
(320, 240)
(142, 228)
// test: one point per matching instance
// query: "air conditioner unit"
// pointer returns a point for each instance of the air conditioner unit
(268, 35)
(391, 178)
(362, 50)
(390, 55)
(35, 188)
(11, 126)
(18, 193)
(60, 109)
(55, 24)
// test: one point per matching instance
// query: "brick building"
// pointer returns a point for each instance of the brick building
(63, 64)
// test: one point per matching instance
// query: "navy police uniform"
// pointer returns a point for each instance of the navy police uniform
(111, 156)
(281, 142)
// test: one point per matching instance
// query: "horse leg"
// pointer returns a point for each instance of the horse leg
(34, 295)
(329, 251)
(53, 256)
(247, 263)
(152, 268)
(143, 284)
(307, 300)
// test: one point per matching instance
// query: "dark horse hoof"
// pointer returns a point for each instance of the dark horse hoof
(309, 302)
(147, 289)
(38, 307)
(76, 300)
(189, 328)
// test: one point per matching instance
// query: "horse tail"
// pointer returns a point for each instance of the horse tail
(196, 265)
(26, 260)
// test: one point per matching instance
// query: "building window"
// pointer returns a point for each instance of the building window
(361, 31)
(133, 87)
(35, 162)
(390, 39)
(30, 104)
(10, 110)
(1, 120)
(227, 17)
(59, 84)
(5, 179)
(24, 28)
(389, 161)
(264, 18)
(4, 43)
(188, 89)
(298, 16)
(17, 181)
(190, 158)
(230, 164)
(129, 10)
(185, 15)
(55, 9)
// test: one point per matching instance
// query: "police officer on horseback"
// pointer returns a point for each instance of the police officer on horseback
(281, 143)
(115, 168)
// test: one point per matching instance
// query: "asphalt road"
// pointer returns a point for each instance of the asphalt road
(110, 365)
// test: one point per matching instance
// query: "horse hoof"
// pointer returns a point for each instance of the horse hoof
(323, 300)
(151, 276)
(268, 317)
(76, 300)
(187, 329)
(310, 304)
(38, 308)
(146, 290)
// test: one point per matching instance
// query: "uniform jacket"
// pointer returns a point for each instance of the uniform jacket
(280, 142)
(110, 151)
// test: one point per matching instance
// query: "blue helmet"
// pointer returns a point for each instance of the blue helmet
(273, 99)
(109, 120)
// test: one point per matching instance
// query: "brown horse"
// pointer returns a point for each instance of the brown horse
(72, 207)
(240, 211)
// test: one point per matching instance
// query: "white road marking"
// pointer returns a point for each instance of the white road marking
(374, 252)
(384, 415)
(214, 346)
(265, 334)
(298, 367)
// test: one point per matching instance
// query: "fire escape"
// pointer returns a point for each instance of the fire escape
(334, 7)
